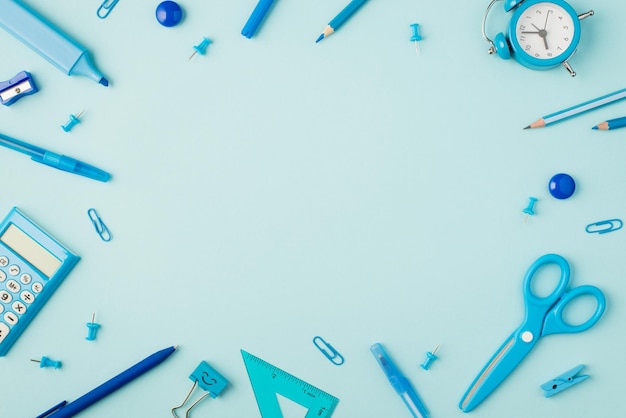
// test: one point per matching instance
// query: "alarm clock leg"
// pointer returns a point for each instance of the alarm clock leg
(585, 15)
(569, 68)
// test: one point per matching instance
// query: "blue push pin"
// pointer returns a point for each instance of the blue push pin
(529, 210)
(93, 328)
(73, 121)
(46, 362)
(201, 47)
(415, 36)
(561, 186)
(430, 357)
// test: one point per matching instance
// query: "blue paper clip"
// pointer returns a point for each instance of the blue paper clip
(101, 228)
(209, 380)
(105, 8)
(564, 381)
(602, 227)
(329, 352)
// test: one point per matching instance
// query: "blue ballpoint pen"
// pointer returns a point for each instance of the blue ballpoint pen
(110, 386)
(341, 18)
(55, 160)
(257, 16)
(47, 40)
(400, 383)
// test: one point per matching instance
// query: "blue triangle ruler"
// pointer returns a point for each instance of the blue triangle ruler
(268, 380)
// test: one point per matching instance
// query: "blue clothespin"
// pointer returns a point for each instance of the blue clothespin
(564, 381)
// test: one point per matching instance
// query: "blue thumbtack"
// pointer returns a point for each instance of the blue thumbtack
(415, 34)
(430, 357)
(564, 381)
(529, 210)
(46, 362)
(72, 121)
(93, 328)
(201, 47)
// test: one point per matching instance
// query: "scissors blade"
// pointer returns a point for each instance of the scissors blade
(501, 364)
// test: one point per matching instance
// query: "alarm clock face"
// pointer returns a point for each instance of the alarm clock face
(544, 34)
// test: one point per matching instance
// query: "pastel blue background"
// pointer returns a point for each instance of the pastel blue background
(276, 189)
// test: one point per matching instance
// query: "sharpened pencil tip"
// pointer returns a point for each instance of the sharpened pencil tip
(595, 127)
(528, 127)
(320, 38)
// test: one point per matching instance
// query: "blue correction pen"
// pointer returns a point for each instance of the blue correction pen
(399, 382)
(47, 40)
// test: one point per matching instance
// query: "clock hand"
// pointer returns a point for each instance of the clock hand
(546, 22)
(543, 34)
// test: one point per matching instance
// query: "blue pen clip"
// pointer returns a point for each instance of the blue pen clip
(602, 227)
(53, 409)
(328, 350)
(564, 381)
(14, 89)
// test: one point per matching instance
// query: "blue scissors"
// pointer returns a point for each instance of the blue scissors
(544, 316)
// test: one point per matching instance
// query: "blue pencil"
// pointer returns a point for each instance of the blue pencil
(110, 386)
(341, 18)
(611, 124)
(578, 109)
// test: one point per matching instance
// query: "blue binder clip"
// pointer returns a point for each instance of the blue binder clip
(206, 378)
(14, 89)
(564, 381)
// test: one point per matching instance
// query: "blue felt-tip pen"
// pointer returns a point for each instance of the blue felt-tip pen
(258, 15)
(400, 383)
(47, 40)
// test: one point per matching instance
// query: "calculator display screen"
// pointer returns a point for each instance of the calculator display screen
(30, 250)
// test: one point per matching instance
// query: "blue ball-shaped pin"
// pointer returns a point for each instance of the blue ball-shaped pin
(561, 186)
(169, 13)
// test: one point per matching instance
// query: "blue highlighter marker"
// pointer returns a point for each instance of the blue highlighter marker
(47, 40)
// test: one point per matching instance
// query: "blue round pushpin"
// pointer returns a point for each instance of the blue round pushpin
(169, 13)
(561, 186)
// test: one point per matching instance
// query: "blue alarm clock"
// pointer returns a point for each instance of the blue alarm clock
(541, 35)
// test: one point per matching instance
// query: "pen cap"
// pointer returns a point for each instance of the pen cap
(73, 166)
(40, 35)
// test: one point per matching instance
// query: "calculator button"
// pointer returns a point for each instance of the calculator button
(4, 331)
(4, 261)
(3, 276)
(11, 318)
(27, 297)
(13, 286)
(19, 307)
(37, 287)
(26, 278)
(5, 297)
(14, 270)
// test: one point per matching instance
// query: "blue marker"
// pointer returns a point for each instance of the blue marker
(47, 40)
(257, 16)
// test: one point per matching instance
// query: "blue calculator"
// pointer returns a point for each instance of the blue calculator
(32, 266)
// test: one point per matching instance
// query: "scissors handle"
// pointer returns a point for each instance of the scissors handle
(549, 300)
(554, 322)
